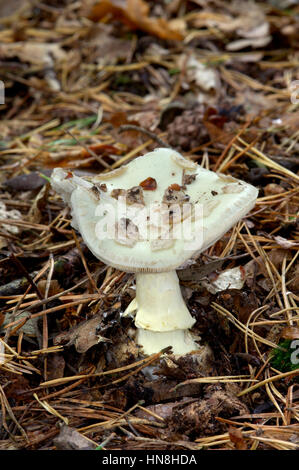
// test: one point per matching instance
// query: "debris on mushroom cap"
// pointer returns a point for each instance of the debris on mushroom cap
(131, 196)
(96, 191)
(155, 180)
(178, 213)
(167, 215)
(149, 184)
(175, 187)
(103, 187)
(116, 193)
(188, 179)
(175, 194)
(127, 232)
(135, 196)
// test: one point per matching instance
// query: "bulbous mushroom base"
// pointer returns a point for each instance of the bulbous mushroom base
(162, 318)
(181, 341)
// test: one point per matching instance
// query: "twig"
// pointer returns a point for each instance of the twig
(152, 135)
(89, 150)
(26, 274)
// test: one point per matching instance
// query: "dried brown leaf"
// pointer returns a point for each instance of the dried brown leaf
(237, 438)
(135, 14)
(290, 332)
(83, 336)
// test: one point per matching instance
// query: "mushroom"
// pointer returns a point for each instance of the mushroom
(152, 216)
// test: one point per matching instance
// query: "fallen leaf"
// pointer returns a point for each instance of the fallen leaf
(195, 273)
(164, 410)
(54, 287)
(44, 55)
(107, 49)
(259, 31)
(83, 336)
(134, 13)
(243, 43)
(33, 52)
(294, 279)
(55, 366)
(17, 386)
(245, 19)
(70, 439)
(284, 243)
(38, 205)
(290, 332)
(27, 182)
(229, 279)
(237, 438)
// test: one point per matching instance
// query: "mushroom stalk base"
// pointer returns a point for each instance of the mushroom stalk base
(154, 341)
(162, 317)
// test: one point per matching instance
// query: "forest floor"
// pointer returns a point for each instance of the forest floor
(219, 82)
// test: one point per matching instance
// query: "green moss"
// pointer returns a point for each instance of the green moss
(174, 71)
(281, 357)
(122, 79)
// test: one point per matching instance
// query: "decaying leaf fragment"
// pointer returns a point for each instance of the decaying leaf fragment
(229, 279)
(200, 416)
(205, 77)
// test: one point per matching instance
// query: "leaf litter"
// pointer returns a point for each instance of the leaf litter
(88, 87)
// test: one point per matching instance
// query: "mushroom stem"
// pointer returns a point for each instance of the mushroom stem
(162, 317)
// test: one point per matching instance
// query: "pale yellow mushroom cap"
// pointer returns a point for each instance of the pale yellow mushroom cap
(217, 202)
